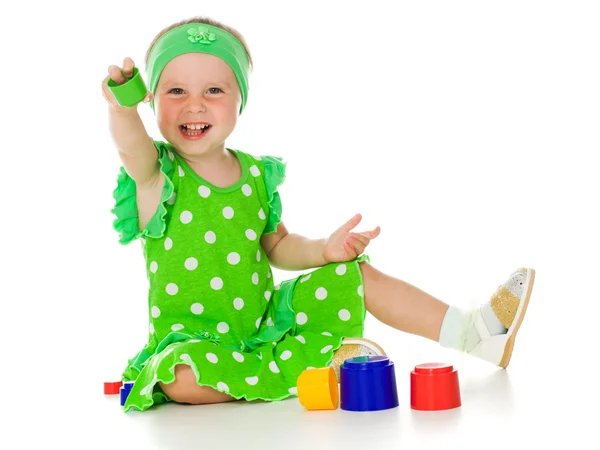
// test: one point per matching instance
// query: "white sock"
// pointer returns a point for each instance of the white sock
(458, 328)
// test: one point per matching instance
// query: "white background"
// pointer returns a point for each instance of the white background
(467, 130)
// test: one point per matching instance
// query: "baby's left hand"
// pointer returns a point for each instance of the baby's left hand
(345, 245)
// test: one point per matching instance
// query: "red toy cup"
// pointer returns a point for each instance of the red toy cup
(112, 387)
(434, 387)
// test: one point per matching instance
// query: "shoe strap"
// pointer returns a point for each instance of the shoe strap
(480, 325)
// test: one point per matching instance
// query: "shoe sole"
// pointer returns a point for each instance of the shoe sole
(367, 343)
(524, 302)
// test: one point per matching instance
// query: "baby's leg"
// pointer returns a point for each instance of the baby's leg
(185, 390)
(487, 331)
(402, 305)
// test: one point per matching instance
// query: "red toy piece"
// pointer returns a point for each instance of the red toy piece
(112, 387)
(434, 387)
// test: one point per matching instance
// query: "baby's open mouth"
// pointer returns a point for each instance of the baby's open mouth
(195, 129)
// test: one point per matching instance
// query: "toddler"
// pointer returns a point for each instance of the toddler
(209, 221)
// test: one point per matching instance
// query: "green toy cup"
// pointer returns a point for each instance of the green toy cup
(131, 92)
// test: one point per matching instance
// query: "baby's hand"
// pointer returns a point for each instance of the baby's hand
(114, 72)
(344, 245)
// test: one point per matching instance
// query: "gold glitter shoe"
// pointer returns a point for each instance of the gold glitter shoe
(509, 304)
(352, 347)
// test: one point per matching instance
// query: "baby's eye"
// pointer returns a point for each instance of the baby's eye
(214, 90)
(176, 91)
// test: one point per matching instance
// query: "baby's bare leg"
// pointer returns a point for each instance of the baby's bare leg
(402, 305)
(185, 390)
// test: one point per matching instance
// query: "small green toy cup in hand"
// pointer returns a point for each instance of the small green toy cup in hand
(126, 85)
(131, 92)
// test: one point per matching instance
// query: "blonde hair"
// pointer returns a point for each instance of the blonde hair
(205, 20)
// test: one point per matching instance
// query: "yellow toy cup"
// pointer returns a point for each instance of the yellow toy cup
(318, 389)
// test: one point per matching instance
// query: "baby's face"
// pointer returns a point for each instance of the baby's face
(197, 89)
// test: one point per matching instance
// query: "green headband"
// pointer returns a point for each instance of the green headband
(199, 38)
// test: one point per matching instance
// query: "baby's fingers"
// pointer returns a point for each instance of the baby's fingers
(128, 67)
(359, 237)
(114, 72)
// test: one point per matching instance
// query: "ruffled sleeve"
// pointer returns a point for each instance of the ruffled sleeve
(125, 209)
(274, 168)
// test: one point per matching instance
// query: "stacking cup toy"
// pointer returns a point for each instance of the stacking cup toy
(318, 389)
(368, 383)
(112, 387)
(125, 390)
(131, 92)
(434, 386)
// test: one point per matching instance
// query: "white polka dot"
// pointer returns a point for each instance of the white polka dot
(247, 190)
(254, 171)
(293, 390)
(321, 293)
(185, 357)
(222, 386)
(155, 312)
(277, 287)
(233, 258)
(261, 214)
(269, 274)
(302, 280)
(210, 237)
(203, 191)
(301, 318)
(255, 278)
(191, 263)
(344, 315)
(153, 266)
(310, 368)
(301, 339)
(191, 341)
(273, 367)
(326, 333)
(151, 328)
(251, 234)
(171, 156)
(216, 283)
(168, 244)
(185, 217)
(286, 355)
(228, 212)
(268, 295)
(252, 380)
(341, 269)
(197, 308)
(171, 201)
(172, 289)
(360, 290)
(270, 322)
(258, 255)
(238, 303)
(181, 172)
(212, 358)
(177, 327)
(258, 321)
(222, 327)
(238, 356)
(326, 348)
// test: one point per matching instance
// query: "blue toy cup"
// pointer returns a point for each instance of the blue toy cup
(368, 383)
(125, 390)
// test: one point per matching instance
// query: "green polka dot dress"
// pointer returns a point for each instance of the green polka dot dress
(212, 301)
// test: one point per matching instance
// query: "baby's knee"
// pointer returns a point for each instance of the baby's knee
(185, 389)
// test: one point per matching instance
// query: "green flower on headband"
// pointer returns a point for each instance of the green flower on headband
(201, 35)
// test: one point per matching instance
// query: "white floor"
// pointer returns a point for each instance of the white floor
(548, 395)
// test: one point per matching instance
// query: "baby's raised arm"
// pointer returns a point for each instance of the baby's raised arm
(135, 146)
